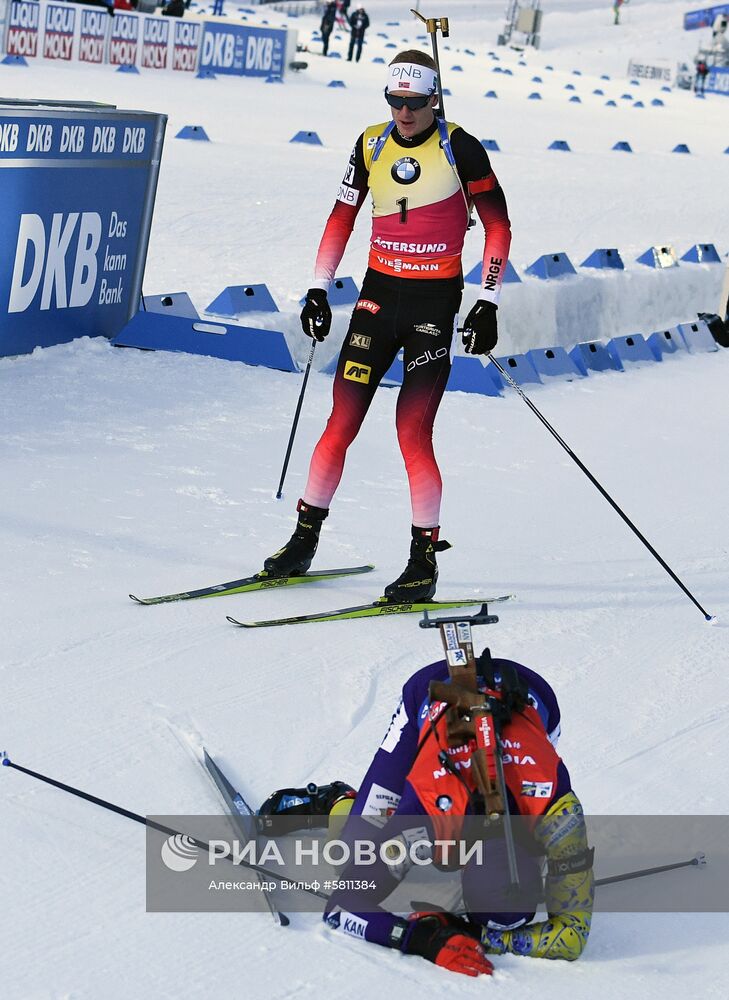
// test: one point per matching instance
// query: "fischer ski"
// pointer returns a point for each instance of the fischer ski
(242, 819)
(259, 581)
(378, 608)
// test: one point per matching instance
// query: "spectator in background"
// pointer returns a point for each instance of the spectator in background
(359, 22)
(616, 10)
(327, 25)
(702, 71)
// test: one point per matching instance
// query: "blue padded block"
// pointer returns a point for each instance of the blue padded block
(594, 357)
(391, 45)
(127, 68)
(667, 90)
(171, 304)
(152, 332)
(534, 96)
(681, 147)
(664, 342)
(623, 146)
(550, 68)
(560, 144)
(604, 258)
(657, 103)
(569, 86)
(205, 74)
(336, 83)
(659, 257)
(639, 104)
(576, 72)
(491, 145)
(14, 61)
(551, 265)
(196, 132)
(610, 104)
(456, 69)
(697, 337)
(497, 69)
(492, 93)
(537, 79)
(235, 300)
(378, 59)
(604, 77)
(520, 367)
(626, 97)
(598, 92)
(469, 375)
(630, 350)
(342, 292)
(575, 99)
(635, 83)
(554, 362)
(446, 92)
(311, 137)
(334, 55)
(702, 253)
(510, 276)
(508, 72)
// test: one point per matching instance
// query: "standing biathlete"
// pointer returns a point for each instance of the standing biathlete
(424, 175)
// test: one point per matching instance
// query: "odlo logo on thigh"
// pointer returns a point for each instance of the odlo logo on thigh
(357, 373)
(423, 359)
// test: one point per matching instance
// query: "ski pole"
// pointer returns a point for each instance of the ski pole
(121, 811)
(698, 860)
(708, 617)
(432, 25)
(295, 424)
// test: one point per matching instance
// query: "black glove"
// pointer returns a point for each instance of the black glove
(480, 332)
(316, 316)
(447, 941)
(313, 803)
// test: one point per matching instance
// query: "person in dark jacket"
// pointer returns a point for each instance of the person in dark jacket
(175, 8)
(359, 22)
(327, 25)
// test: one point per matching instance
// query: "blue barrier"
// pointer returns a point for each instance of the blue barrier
(551, 265)
(598, 92)
(520, 367)
(152, 332)
(659, 257)
(553, 363)
(335, 55)
(610, 104)
(623, 146)
(630, 350)
(236, 300)
(342, 292)
(594, 357)
(127, 68)
(569, 86)
(635, 83)
(491, 145)
(196, 132)
(702, 253)
(309, 137)
(666, 89)
(697, 337)
(575, 99)
(576, 72)
(14, 61)
(534, 96)
(470, 375)
(378, 59)
(508, 72)
(205, 74)
(665, 342)
(537, 79)
(492, 93)
(510, 276)
(456, 69)
(560, 144)
(605, 258)
(446, 92)
(171, 304)
(639, 104)
(681, 147)
(336, 83)
(604, 76)
(626, 97)
(657, 103)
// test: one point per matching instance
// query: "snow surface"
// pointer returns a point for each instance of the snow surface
(148, 472)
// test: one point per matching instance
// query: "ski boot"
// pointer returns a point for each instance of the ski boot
(417, 582)
(296, 556)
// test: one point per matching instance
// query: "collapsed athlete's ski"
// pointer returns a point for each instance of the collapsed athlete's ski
(376, 609)
(259, 581)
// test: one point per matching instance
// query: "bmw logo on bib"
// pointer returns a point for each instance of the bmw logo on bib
(406, 170)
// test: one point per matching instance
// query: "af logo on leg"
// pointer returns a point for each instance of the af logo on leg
(357, 373)
(406, 170)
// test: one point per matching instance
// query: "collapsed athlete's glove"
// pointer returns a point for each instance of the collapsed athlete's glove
(313, 804)
(316, 316)
(448, 942)
(480, 332)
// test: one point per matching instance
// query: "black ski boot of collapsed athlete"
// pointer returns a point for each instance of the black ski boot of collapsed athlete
(417, 581)
(297, 554)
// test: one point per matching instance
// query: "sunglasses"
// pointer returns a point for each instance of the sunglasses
(412, 103)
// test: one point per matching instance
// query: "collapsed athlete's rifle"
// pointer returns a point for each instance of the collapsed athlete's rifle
(478, 714)
(432, 26)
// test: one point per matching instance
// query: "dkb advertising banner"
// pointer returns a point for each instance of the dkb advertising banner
(718, 80)
(705, 17)
(243, 51)
(78, 193)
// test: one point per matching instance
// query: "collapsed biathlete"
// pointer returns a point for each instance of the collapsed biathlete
(424, 175)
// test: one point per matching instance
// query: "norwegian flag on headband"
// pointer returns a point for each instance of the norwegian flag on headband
(405, 84)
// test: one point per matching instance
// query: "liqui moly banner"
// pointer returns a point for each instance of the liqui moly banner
(23, 31)
(185, 45)
(60, 24)
(155, 42)
(78, 192)
(124, 40)
(92, 36)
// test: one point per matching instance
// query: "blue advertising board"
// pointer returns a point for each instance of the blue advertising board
(703, 18)
(78, 193)
(243, 50)
(718, 80)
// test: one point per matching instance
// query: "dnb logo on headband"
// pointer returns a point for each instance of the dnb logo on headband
(406, 170)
